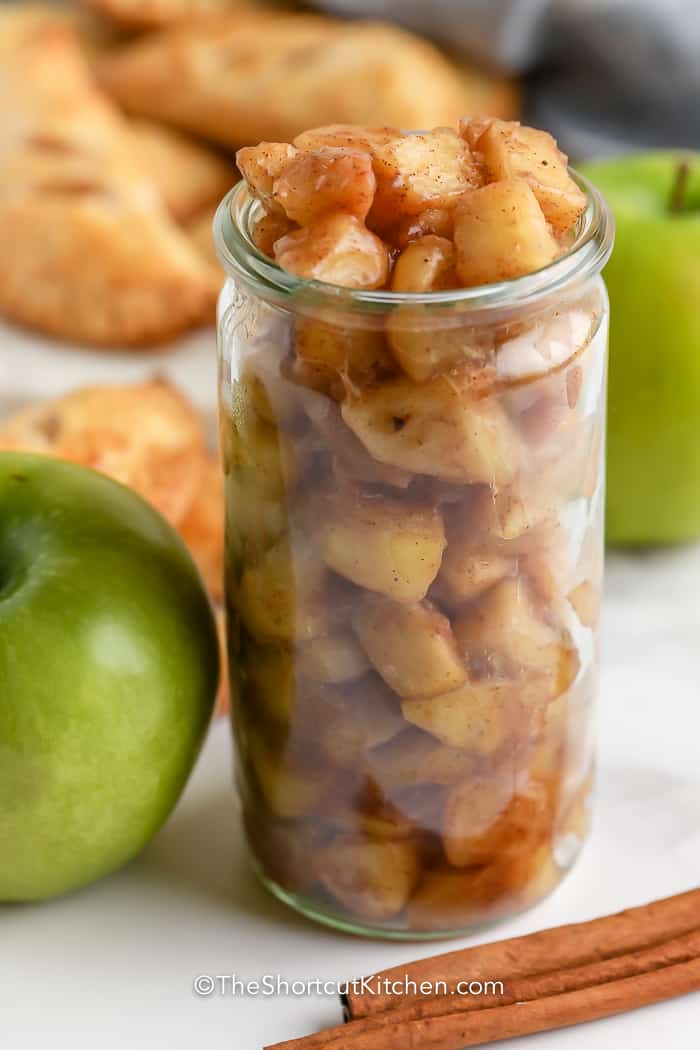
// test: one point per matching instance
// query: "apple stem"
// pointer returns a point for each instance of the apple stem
(677, 202)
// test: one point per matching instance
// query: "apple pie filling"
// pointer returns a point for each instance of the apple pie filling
(413, 348)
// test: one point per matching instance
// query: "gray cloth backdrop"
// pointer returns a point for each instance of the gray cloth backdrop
(602, 75)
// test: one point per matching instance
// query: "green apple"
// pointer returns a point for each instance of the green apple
(108, 674)
(654, 400)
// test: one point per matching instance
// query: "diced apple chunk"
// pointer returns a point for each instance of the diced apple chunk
(469, 566)
(479, 717)
(385, 545)
(261, 165)
(426, 265)
(318, 182)
(415, 172)
(424, 350)
(487, 818)
(351, 460)
(371, 880)
(336, 249)
(437, 221)
(501, 234)
(511, 151)
(412, 647)
(282, 599)
(346, 136)
(288, 792)
(342, 354)
(414, 758)
(585, 601)
(347, 723)
(335, 658)
(440, 428)
(472, 128)
(504, 634)
(270, 682)
(268, 228)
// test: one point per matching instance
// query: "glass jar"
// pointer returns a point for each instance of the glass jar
(414, 543)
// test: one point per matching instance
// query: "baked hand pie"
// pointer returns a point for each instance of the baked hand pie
(145, 435)
(264, 75)
(96, 258)
(188, 175)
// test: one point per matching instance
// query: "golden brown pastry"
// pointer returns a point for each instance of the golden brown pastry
(187, 174)
(248, 77)
(95, 256)
(149, 14)
(199, 230)
(145, 435)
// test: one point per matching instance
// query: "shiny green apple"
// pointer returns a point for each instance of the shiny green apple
(654, 398)
(108, 674)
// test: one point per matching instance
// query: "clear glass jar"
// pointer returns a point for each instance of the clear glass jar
(414, 537)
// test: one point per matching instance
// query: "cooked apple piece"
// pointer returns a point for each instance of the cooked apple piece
(437, 221)
(343, 355)
(286, 849)
(351, 460)
(546, 560)
(449, 899)
(261, 165)
(488, 818)
(474, 818)
(419, 171)
(414, 758)
(503, 634)
(269, 681)
(472, 564)
(370, 880)
(268, 228)
(500, 234)
(333, 179)
(384, 544)
(480, 717)
(585, 601)
(336, 249)
(255, 521)
(472, 128)
(426, 265)
(335, 658)
(349, 722)
(424, 347)
(289, 792)
(346, 136)
(439, 428)
(258, 454)
(411, 645)
(281, 598)
(511, 151)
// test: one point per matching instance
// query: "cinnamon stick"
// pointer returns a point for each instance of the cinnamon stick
(372, 1031)
(466, 1029)
(525, 989)
(562, 947)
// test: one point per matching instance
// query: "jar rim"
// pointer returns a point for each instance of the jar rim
(243, 260)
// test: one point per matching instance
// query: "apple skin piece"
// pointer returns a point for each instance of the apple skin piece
(108, 674)
(653, 278)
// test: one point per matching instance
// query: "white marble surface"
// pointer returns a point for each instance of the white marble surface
(113, 966)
